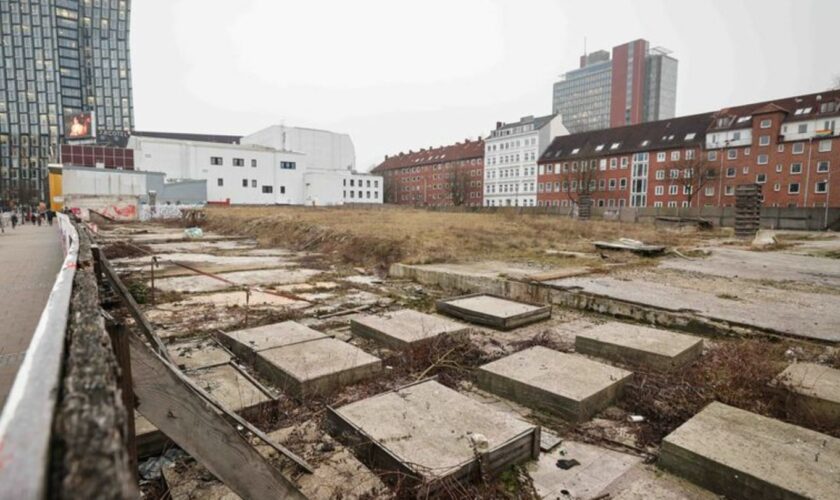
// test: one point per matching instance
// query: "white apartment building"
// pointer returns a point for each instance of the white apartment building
(243, 174)
(510, 159)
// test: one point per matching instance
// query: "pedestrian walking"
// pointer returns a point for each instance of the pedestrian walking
(50, 216)
(14, 220)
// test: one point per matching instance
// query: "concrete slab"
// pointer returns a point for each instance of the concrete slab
(639, 345)
(649, 483)
(744, 455)
(230, 388)
(201, 246)
(201, 353)
(246, 343)
(598, 467)
(198, 283)
(569, 386)
(316, 367)
(238, 299)
(483, 276)
(405, 328)
(760, 266)
(427, 431)
(208, 263)
(634, 298)
(490, 310)
(815, 387)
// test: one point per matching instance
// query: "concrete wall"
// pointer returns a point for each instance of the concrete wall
(107, 182)
(124, 208)
(183, 192)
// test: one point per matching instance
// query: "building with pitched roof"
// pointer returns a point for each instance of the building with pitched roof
(788, 146)
(442, 176)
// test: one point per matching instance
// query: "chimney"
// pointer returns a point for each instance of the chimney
(467, 140)
(499, 125)
(386, 157)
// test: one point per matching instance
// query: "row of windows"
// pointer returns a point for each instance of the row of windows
(266, 189)
(240, 162)
(367, 195)
(353, 182)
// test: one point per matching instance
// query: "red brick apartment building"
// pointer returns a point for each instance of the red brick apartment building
(788, 146)
(444, 176)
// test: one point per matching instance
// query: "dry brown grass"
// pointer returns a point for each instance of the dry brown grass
(381, 236)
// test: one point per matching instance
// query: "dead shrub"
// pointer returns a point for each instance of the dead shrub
(737, 373)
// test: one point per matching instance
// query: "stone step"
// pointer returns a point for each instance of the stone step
(316, 367)
(639, 345)
(405, 328)
(744, 455)
(566, 385)
(429, 434)
(815, 388)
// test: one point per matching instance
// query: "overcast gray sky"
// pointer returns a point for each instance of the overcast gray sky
(400, 75)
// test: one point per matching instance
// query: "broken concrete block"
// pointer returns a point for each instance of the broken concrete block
(493, 311)
(316, 367)
(569, 386)
(816, 389)
(639, 345)
(201, 353)
(429, 432)
(405, 328)
(744, 455)
(246, 343)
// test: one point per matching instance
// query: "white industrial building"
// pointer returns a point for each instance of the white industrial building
(277, 165)
(511, 152)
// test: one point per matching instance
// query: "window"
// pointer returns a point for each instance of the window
(244, 183)
(796, 168)
(712, 155)
(793, 188)
(657, 204)
(675, 173)
(624, 162)
(238, 162)
(710, 190)
(766, 123)
(659, 190)
(613, 163)
(290, 165)
(283, 190)
(780, 148)
(825, 146)
(730, 172)
(268, 189)
(220, 182)
(660, 156)
(254, 164)
(612, 184)
(216, 160)
(779, 168)
(729, 191)
(761, 178)
(673, 189)
(732, 154)
(253, 183)
(689, 154)
(821, 187)
(763, 159)
(675, 155)
(822, 167)
(798, 148)
(777, 187)
(764, 140)
(660, 174)
(602, 164)
(622, 184)
(802, 128)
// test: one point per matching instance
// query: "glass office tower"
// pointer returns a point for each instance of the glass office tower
(65, 77)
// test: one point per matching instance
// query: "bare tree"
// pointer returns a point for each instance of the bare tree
(579, 182)
(694, 175)
(458, 182)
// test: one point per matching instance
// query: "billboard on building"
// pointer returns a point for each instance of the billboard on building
(80, 125)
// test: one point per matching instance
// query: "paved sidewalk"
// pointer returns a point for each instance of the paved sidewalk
(30, 258)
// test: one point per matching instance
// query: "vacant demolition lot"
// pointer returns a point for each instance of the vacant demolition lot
(389, 234)
(320, 326)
